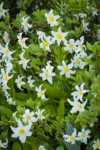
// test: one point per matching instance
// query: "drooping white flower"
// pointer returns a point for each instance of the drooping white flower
(82, 15)
(85, 26)
(40, 92)
(41, 147)
(70, 46)
(49, 67)
(51, 18)
(3, 145)
(23, 61)
(96, 144)
(78, 94)
(46, 42)
(77, 106)
(19, 82)
(40, 34)
(30, 81)
(70, 138)
(29, 116)
(94, 12)
(59, 36)
(66, 69)
(26, 26)
(6, 37)
(11, 101)
(84, 135)
(21, 41)
(9, 65)
(21, 131)
(39, 114)
(2, 10)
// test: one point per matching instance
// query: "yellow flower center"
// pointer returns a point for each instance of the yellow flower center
(41, 93)
(71, 138)
(25, 24)
(28, 117)
(46, 74)
(41, 148)
(59, 36)
(39, 115)
(79, 106)
(6, 51)
(21, 41)
(20, 81)
(66, 69)
(83, 135)
(5, 77)
(78, 61)
(71, 46)
(80, 92)
(51, 18)
(21, 131)
(81, 47)
(97, 144)
(1, 10)
(46, 43)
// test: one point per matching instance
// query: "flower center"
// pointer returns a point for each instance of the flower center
(71, 138)
(5, 77)
(78, 62)
(71, 46)
(41, 148)
(21, 41)
(21, 131)
(46, 43)
(59, 36)
(83, 135)
(41, 93)
(28, 117)
(6, 51)
(25, 24)
(66, 69)
(97, 144)
(39, 116)
(80, 92)
(79, 106)
(1, 10)
(51, 18)
(20, 81)
(46, 74)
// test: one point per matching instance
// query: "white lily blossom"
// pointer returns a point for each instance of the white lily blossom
(21, 131)
(23, 61)
(19, 82)
(41, 147)
(29, 116)
(59, 36)
(2, 10)
(66, 69)
(84, 135)
(3, 145)
(70, 46)
(96, 144)
(40, 34)
(51, 18)
(40, 92)
(85, 25)
(30, 81)
(6, 37)
(78, 94)
(39, 114)
(77, 106)
(21, 41)
(25, 25)
(70, 138)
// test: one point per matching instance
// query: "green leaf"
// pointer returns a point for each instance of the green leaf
(61, 109)
(89, 46)
(16, 146)
(6, 111)
(60, 148)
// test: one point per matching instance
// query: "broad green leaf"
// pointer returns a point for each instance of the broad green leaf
(6, 111)
(16, 146)
(61, 109)
(89, 46)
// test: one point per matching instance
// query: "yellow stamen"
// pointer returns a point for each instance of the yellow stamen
(51, 18)
(66, 69)
(59, 36)
(72, 138)
(78, 61)
(1, 10)
(25, 24)
(46, 43)
(21, 131)
(70, 46)
(5, 77)
(28, 117)
(80, 92)
(97, 144)
(47, 74)
(83, 135)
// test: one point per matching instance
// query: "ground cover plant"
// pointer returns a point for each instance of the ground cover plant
(50, 75)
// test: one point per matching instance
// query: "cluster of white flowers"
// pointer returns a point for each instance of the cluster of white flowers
(81, 136)
(3, 145)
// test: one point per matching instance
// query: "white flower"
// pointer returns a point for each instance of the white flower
(23, 61)
(49, 67)
(21, 131)
(3, 145)
(82, 15)
(40, 34)
(85, 26)
(2, 11)
(59, 36)
(40, 115)
(70, 46)
(46, 42)
(80, 91)
(11, 101)
(19, 82)
(70, 138)
(9, 65)
(25, 24)
(51, 19)
(41, 147)
(21, 40)
(96, 144)
(6, 37)
(66, 69)
(29, 116)
(40, 92)
(6, 52)
(4, 77)
(94, 12)
(84, 135)
(77, 106)
(30, 81)
(77, 62)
